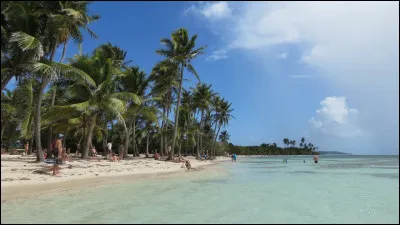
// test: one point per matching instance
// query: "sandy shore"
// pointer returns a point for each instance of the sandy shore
(21, 175)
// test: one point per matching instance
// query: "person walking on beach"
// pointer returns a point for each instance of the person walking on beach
(169, 149)
(26, 148)
(109, 147)
(57, 153)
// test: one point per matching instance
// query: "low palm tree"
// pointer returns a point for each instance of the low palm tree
(102, 96)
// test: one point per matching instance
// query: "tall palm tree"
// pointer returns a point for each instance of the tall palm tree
(165, 75)
(181, 50)
(202, 98)
(137, 82)
(68, 20)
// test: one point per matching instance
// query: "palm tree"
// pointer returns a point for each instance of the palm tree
(165, 75)
(137, 82)
(221, 118)
(202, 98)
(46, 71)
(37, 45)
(181, 50)
(102, 96)
(286, 141)
(302, 140)
(224, 137)
(70, 17)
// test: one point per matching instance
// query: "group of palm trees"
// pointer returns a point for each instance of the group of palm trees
(100, 97)
(292, 143)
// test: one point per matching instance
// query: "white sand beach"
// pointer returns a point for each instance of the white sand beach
(21, 173)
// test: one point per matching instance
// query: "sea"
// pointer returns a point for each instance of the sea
(339, 189)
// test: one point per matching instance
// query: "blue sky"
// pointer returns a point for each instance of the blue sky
(291, 70)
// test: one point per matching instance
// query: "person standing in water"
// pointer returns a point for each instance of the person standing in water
(315, 158)
(233, 157)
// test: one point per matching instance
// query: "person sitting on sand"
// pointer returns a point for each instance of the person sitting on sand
(179, 159)
(188, 165)
(94, 152)
(113, 158)
(26, 148)
(157, 156)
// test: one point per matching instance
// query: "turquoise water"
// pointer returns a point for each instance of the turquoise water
(340, 189)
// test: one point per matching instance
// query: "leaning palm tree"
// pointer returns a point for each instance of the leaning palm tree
(181, 50)
(221, 117)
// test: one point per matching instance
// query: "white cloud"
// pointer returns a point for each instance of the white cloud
(299, 76)
(354, 45)
(282, 55)
(336, 118)
(211, 10)
(217, 55)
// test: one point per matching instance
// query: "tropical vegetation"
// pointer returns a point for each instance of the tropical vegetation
(100, 97)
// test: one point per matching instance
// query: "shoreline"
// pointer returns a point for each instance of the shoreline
(13, 187)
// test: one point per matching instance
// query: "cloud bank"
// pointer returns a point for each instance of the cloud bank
(354, 45)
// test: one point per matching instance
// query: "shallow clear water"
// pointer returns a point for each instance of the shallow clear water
(340, 189)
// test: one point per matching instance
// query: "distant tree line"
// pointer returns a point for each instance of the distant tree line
(273, 149)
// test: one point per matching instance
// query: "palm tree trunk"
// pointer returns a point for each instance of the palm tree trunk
(198, 144)
(85, 128)
(5, 82)
(85, 152)
(134, 138)
(53, 52)
(201, 129)
(161, 142)
(147, 146)
(180, 146)
(215, 140)
(64, 50)
(50, 129)
(177, 113)
(127, 136)
(2, 131)
(30, 146)
(39, 152)
(166, 131)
